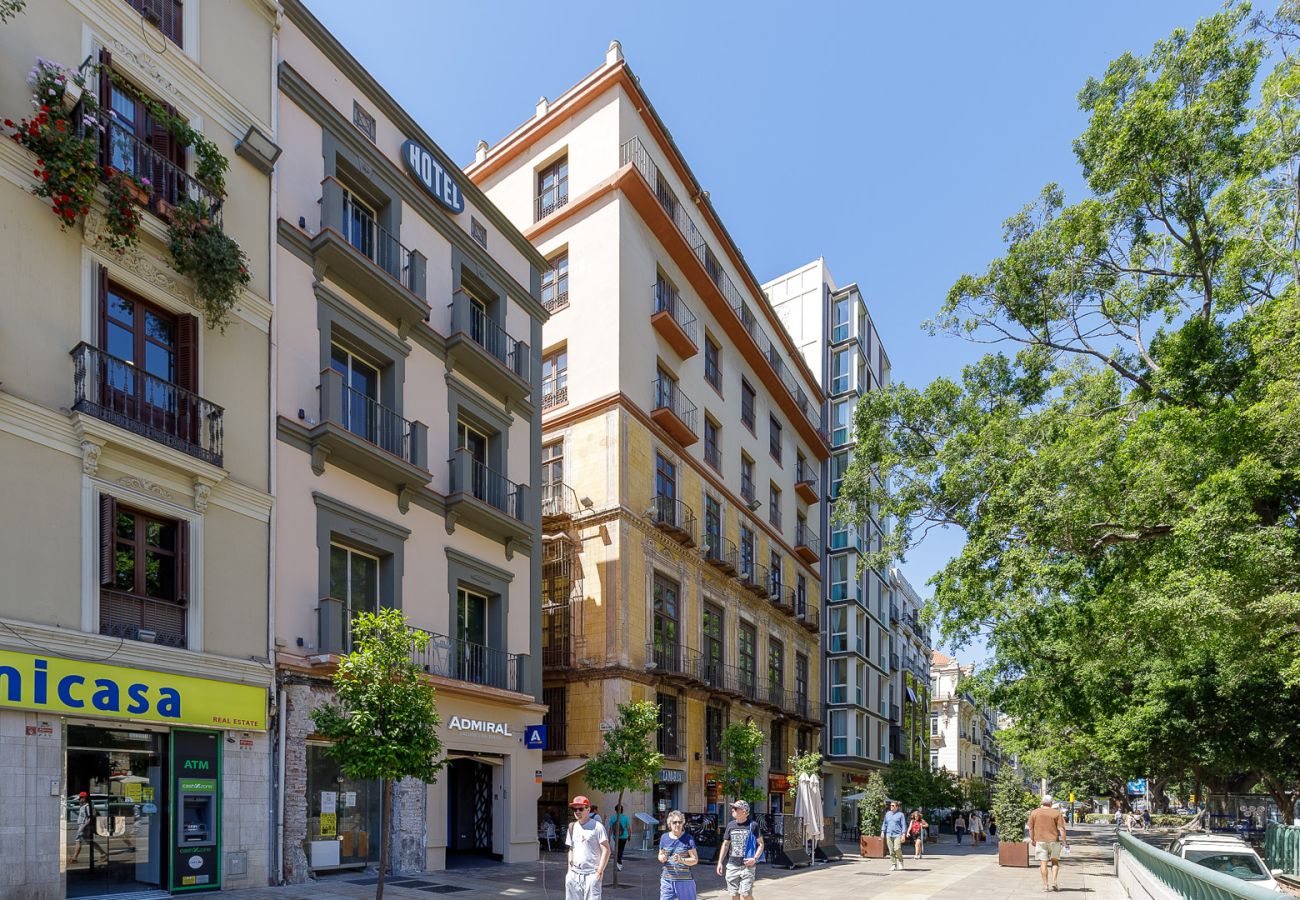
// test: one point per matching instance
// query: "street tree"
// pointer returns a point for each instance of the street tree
(1124, 463)
(742, 748)
(630, 760)
(384, 723)
(921, 787)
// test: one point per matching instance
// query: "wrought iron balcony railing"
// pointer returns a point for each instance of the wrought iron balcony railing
(470, 319)
(674, 515)
(370, 420)
(122, 393)
(358, 227)
(469, 475)
(667, 397)
(475, 663)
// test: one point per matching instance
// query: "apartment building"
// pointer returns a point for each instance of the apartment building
(409, 431)
(835, 334)
(681, 441)
(134, 671)
(961, 730)
(909, 714)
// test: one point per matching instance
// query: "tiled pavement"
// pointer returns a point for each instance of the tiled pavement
(948, 872)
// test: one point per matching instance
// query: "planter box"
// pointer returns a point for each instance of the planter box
(1016, 854)
(872, 847)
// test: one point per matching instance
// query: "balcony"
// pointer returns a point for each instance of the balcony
(367, 438)
(556, 302)
(674, 321)
(557, 637)
(782, 596)
(137, 618)
(474, 663)
(720, 678)
(354, 250)
(124, 395)
(893, 613)
(749, 576)
(808, 710)
(806, 544)
(721, 553)
(486, 501)
(805, 483)
(548, 203)
(559, 506)
(675, 518)
(807, 615)
(773, 695)
(479, 347)
(555, 397)
(760, 581)
(747, 687)
(673, 411)
(672, 662)
(634, 153)
(671, 737)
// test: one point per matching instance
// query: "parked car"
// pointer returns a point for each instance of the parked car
(1228, 855)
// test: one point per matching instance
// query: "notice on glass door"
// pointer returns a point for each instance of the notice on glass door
(329, 801)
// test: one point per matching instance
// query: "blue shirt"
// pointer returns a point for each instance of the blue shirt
(895, 824)
(670, 845)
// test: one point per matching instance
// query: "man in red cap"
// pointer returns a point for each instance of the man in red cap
(86, 828)
(588, 853)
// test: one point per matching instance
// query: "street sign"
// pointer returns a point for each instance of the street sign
(1137, 786)
(1071, 796)
(535, 737)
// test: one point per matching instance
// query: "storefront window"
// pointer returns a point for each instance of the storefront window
(341, 810)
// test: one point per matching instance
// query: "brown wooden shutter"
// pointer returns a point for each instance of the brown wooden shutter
(103, 308)
(107, 526)
(187, 352)
(182, 561)
(105, 99)
(160, 173)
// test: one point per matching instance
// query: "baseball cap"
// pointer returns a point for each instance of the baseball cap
(580, 801)
(82, 794)
(741, 804)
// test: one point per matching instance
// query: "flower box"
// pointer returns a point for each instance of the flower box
(1014, 854)
(871, 847)
(71, 94)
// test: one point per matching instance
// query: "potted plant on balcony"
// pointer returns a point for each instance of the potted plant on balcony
(202, 251)
(66, 157)
(125, 196)
(1011, 806)
(871, 815)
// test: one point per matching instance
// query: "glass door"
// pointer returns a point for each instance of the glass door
(471, 637)
(354, 580)
(360, 407)
(477, 444)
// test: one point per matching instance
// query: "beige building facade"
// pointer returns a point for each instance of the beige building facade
(681, 441)
(407, 444)
(134, 666)
(961, 730)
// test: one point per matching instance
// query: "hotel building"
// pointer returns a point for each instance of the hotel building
(682, 440)
(961, 730)
(134, 666)
(834, 332)
(407, 462)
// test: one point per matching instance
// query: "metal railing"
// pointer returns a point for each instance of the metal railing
(555, 397)
(667, 299)
(1282, 847)
(1138, 863)
(746, 683)
(122, 393)
(762, 580)
(673, 512)
(475, 663)
(807, 614)
(672, 659)
(470, 476)
(358, 227)
(470, 319)
(543, 206)
(781, 595)
(747, 572)
(556, 302)
(721, 551)
(804, 474)
(123, 615)
(774, 694)
(557, 644)
(164, 181)
(804, 537)
(558, 499)
(635, 153)
(667, 395)
(370, 420)
(805, 708)
(671, 737)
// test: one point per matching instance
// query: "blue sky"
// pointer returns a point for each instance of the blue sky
(892, 139)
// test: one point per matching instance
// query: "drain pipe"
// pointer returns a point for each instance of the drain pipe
(283, 713)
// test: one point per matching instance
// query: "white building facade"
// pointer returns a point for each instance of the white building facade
(961, 730)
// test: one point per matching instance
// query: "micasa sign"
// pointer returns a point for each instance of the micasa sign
(433, 177)
(77, 688)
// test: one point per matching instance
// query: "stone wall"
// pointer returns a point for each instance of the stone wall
(31, 782)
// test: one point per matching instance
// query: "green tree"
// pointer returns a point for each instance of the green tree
(10, 8)
(742, 748)
(871, 807)
(920, 787)
(1126, 468)
(384, 723)
(629, 761)
(1011, 805)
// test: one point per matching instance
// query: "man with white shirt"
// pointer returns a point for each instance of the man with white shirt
(588, 853)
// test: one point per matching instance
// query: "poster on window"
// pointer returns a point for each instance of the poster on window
(329, 801)
(328, 825)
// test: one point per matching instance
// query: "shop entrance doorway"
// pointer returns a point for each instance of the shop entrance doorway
(115, 810)
(469, 808)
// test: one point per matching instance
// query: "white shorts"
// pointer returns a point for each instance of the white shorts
(582, 886)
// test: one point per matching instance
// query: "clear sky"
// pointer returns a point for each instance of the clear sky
(891, 138)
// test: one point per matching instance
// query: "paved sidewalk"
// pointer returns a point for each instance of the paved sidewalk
(948, 872)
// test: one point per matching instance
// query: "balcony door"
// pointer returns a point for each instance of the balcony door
(553, 479)
(666, 489)
(475, 444)
(139, 143)
(360, 404)
(139, 379)
(471, 652)
(746, 654)
(713, 657)
(666, 617)
(360, 224)
(354, 582)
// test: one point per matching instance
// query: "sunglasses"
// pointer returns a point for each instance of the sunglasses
(580, 808)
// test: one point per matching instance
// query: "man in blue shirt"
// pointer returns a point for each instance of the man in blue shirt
(892, 830)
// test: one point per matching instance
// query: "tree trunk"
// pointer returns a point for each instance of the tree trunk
(386, 817)
(1158, 802)
(613, 840)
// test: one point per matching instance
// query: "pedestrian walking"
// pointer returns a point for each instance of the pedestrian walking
(86, 829)
(892, 829)
(916, 834)
(1146, 820)
(678, 853)
(1046, 836)
(993, 825)
(588, 853)
(976, 827)
(742, 845)
(959, 826)
(619, 826)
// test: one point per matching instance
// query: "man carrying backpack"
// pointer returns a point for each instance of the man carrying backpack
(742, 845)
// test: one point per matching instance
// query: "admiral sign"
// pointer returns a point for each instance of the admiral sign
(433, 176)
(460, 723)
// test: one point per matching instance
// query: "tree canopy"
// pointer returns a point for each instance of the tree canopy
(1125, 461)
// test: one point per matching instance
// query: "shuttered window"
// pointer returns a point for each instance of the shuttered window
(136, 141)
(168, 16)
(144, 566)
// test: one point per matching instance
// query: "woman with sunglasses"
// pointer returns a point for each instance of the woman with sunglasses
(677, 852)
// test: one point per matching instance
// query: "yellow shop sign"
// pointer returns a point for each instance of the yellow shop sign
(76, 688)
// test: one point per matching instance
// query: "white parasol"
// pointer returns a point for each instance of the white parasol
(808, 805)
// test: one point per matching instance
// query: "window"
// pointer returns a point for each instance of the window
(840, 318)
(555, 379)
(665, 489)
(555, 284)
(746, 552)
(802, 741)
(553, 493)
(801, 533)
(778, 762)
(861, 633)
(713, 526)
(775, 666)
(715, 722)
(478, 231)
(774, 571)
(839, 466)
(165, 15)
(362, 412)
(839, 566)
(746, 477)
(712, 452)
(934, 760)
(712, 363)
(838, 629)
(747, 401)
(860, 729)
(552, 187)
(360, 228)
(880, 742)
(801, 595)
(556, 718)
(774, 505)
(138, 143)
(839, 680)
(746, 654)
(841, 370)
(670, 738)
(666, 392)
(354, 580)
(774, 438)
(841, 422)
(839, 732)
(666, 612)
(144, 574)
(801, 678)
(713, 655)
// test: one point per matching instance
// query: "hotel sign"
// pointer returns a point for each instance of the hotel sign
(433, 177)
(460, 723)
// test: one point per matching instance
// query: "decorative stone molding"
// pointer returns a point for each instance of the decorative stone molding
(202, 492)
(145, 486)
(90, 452)
(135, 260)
(147, 66)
